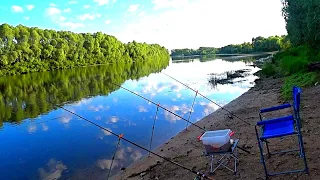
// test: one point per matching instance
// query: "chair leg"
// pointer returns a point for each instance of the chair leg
(260, 142)
(268, 149)
(262, 159)
(302, 153)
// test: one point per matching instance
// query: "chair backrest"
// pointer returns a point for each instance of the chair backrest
(296, 91)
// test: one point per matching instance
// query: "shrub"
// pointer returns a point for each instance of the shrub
(298, 79)
(269, 69)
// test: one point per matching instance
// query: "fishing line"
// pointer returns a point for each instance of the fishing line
(194, 100)
(114, 154)
(154, 122)
(207, 98)
(158, 105)
(123, 138)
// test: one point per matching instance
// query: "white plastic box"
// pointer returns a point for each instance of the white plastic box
(216, 141)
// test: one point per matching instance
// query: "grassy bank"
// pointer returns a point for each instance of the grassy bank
(292, 64)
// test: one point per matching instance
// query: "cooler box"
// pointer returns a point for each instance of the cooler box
(216, 141)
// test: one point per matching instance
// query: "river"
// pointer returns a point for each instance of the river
(40, 141)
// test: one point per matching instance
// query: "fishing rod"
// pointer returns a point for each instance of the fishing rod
(207, 98)
(120, 136)
(158, 105)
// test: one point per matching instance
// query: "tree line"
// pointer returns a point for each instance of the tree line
(258, 44)
(29, 95)
(24, 49)
(303, 22)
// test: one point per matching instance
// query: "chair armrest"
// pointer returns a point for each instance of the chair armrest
(274, 108)
(276, 120)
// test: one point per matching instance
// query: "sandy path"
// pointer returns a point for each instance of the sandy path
(187, 150)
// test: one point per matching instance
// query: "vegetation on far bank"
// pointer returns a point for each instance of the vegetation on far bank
(303, 19)
(258, 44)
(24, 50)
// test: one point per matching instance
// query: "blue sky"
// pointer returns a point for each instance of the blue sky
(172, 23)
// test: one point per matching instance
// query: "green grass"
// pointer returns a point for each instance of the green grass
(298, 79)
(292, 64)
(269, 69)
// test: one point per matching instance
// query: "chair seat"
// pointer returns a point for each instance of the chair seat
(278, 129)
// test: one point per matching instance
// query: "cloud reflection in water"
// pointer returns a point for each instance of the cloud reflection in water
(54, 170)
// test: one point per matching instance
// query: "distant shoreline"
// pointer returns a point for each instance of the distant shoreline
(251, 54)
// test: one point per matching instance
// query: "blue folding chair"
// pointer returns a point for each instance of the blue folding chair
(280, 127)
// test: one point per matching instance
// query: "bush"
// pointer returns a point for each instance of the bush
(269, 69)
(298, 79)
(293, 64)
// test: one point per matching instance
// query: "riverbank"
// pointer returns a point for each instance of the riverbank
(185, 149)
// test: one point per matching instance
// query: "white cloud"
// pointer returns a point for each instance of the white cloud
(52, 11)
(180, 110)
(208, 108)
(87, 17)
(54, 170)
(62, 18)
(72, 25)
(72, 2)
(52, 5)
(86, 6)
(160, 4)
(114, 119)
(170, 26)
(30, 7)
(98, 15)
(15, 8)
(133, 8)
(121, 154)
(142, 109)
(102, 2)
(142, 13)
(136, 155)
(65, 120)
(98, 108)
(45, 127)
(26, 18)
(67, 10)
(32, 128)
(83, 101)
(106, 132)
(106, 163)
(107, 21)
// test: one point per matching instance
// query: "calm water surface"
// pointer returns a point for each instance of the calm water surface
(42, 142)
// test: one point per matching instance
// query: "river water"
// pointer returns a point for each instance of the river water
(39, 141)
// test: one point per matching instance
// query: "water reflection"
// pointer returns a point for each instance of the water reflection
(27, 96)
(35, 133)
(53, 170)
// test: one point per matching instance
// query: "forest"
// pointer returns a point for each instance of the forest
(294, 63)
(258, 44)
(24, 50)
